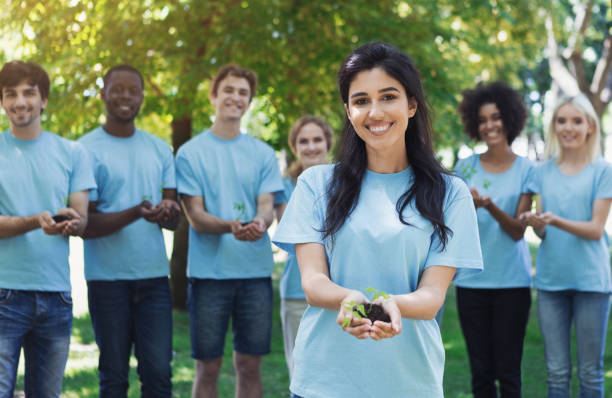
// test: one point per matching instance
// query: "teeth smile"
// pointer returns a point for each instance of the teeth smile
(379, 129)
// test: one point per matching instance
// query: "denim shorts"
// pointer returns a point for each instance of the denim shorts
(211, 304)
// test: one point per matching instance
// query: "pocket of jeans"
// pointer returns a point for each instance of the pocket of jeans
(5, 295)
(66, 297)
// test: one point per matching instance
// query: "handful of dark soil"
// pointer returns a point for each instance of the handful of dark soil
(373, 312)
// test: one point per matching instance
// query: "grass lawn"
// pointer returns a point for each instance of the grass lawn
(81, 374)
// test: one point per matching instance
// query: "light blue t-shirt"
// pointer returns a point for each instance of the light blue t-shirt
(38, 175)
(290, 284)
(566, 261)
(507, 263)
(374, 249)
(229, 174)
(128, 171)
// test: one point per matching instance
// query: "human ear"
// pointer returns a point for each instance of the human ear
(412, 107)
(348, 113)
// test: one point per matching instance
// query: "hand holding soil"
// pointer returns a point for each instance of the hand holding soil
(147, 211)
(379, 319)
(250, 232)
(389, 322)
(50, 227)
(73, 222)
(349, 321)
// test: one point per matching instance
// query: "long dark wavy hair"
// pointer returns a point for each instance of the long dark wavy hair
(429, 186)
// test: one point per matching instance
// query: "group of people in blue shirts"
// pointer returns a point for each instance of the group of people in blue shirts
(386, 216)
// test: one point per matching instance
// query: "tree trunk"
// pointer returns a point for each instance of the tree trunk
(181, 132)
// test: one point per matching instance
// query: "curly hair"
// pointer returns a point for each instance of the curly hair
(507, 100)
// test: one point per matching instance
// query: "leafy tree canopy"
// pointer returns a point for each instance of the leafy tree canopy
(295, 46)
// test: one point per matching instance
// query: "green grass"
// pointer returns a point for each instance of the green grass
(81, 375)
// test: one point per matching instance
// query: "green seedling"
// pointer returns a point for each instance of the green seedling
(147, 197)
(486, 184)
(359, 311)
(377, 293)
(241, 209)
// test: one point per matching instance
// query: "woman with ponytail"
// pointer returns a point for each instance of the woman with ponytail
(385, 216)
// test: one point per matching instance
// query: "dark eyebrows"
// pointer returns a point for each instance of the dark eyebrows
(382, 90)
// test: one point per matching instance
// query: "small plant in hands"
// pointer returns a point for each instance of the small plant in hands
(241, 208)
(374, 312)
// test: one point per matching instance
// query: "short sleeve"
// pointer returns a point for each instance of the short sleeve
(82, 177)
(463, 245)
(534, 180)
(283, 197)
(303, 218)
(186, 179)
(169, 181)
(604, 181)
(526, 172)
(99, 174)
(270, 176)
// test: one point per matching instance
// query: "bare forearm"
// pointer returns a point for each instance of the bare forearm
(423, 303)
(322, 292)
(583, 229)
(103, 224)
(509, 224)
(206, 223)
(267, 215)
(11, 226)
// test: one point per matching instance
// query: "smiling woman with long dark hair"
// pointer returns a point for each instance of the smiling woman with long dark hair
(386, 216)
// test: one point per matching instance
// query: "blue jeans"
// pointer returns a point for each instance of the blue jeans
(589, 312)
(41, 323)
(137, 312)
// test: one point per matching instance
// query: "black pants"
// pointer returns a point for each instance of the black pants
(493, 322)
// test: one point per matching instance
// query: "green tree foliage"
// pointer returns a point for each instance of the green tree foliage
(295, 46)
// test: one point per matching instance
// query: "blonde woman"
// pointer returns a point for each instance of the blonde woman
(310, 140)
(573, 264)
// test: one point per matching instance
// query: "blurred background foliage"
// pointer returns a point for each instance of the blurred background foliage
(295, 46)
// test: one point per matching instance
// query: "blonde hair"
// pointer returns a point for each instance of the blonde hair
(581, 102)
(296, 167)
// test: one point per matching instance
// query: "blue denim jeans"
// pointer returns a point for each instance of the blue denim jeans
(589, 313)
(138, 313)
(41, 323)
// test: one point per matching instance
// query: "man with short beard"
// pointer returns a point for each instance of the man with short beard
(44, 184)
(126, 265)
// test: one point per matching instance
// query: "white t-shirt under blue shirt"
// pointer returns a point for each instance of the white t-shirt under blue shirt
(229, 174)
(507, 263)
(374, 249)
(567, 261)
(128, 171)
(38, 175)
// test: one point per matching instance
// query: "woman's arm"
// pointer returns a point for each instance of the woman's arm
(592, 229)
(322, 292)
(426, 300)
(511, 225)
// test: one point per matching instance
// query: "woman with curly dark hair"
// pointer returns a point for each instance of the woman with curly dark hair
(386, 216)
(494, 305)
